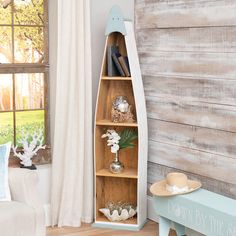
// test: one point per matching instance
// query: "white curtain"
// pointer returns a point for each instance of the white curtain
(72, 166)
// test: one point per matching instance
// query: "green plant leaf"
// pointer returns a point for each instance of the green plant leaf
(127, 136)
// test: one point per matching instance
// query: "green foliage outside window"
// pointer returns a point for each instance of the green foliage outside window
(22, 40)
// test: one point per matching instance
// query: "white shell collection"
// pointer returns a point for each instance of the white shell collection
(115, 216)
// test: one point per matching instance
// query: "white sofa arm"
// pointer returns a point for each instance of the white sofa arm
(23, 187)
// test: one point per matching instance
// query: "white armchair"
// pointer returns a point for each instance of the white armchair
(24, 215)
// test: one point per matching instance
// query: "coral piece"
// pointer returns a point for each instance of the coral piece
(29, 148)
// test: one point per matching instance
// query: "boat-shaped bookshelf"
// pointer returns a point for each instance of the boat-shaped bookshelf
(130, 185)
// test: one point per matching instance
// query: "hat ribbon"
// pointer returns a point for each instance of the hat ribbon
(175, 189)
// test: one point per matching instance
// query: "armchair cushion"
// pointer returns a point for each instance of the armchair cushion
(24, 215)
(4, 186)
(23, 186)
(16, 219)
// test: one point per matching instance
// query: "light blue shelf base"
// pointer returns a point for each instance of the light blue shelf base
(118, 226)
(115, 22)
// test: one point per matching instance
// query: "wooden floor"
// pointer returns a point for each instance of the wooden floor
(150, 229)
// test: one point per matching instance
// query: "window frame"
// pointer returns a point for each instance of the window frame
(43, 156)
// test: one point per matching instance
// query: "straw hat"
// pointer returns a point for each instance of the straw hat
(174, 184)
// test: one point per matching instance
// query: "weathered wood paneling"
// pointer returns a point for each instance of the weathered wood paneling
(214, 65)
(191, 89)
(158, 172)
(206, 39)
(203, 163)
(187, 52)
(177, 13)
(209, 115)
(203, 139)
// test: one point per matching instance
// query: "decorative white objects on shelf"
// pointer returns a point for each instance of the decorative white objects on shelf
(121, 104)
(121, 110)
(115, 216)
(119, 141)
(119, 211)
(113, 139)
(30, 147)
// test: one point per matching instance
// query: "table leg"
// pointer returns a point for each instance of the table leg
(180, 229)
(164, 226)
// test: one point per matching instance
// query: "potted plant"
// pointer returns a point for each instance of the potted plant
(118, 141)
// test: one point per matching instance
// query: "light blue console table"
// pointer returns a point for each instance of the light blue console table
(205, 212)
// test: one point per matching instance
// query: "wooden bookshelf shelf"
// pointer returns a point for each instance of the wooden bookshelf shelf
(130, 185)
(110, 123)
(117, 78)
(127, 173)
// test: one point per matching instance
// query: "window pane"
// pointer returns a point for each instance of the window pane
(5, 44)
(28, 12)
(5, 12)
(29, 122)
(6, 127)
(29, 44)
(6, 92)
(29, 91)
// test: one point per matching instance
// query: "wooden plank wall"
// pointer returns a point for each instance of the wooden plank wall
(187, 52)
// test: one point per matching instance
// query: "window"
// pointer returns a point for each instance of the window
(24, 71)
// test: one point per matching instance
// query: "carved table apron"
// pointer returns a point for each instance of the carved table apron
(206, 212)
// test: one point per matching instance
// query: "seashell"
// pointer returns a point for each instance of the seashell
(125, 214)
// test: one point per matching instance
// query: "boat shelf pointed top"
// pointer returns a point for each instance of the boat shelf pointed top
(115, 22)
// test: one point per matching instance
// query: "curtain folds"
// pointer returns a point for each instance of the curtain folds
(72, 166)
